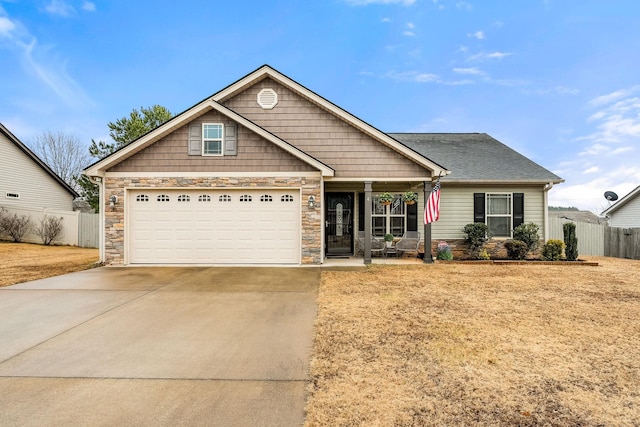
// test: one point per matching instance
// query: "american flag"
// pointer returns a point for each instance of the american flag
(432, 207)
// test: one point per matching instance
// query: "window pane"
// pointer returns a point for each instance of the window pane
(397, 226)
(378, 226)
(212, 131)
(499, 204)
(212, 147)
(500, 226)
(397, 206)
(377, 208)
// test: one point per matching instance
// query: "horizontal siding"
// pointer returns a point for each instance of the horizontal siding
(20, 174)
(456, 208)
(322, 135)
(627, 216)
(170, 154)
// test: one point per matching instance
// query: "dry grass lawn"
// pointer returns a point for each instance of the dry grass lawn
(21, 262)
(460, 344)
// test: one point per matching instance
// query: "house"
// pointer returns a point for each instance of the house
(266, 171)
(625, 213)
(26, 181)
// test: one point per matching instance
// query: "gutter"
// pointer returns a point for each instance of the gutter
(545, 190)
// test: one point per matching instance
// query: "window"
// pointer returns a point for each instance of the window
(12, 195)
(245, 198)
(184, 198)
(286, 198)
(204, 198)
(266, 198)
(388, 219)
(502, 212)
(224, 198)
(142, 198)
(212, 137)
(163, 198)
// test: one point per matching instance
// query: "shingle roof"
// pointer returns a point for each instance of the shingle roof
(476, 157)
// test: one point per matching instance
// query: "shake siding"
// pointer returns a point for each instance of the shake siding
(627, 216)
(456, 208)
(170, 154)
(20, 174)
(322, 135)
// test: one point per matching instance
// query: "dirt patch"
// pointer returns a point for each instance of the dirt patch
(21, 262)
(460, 344)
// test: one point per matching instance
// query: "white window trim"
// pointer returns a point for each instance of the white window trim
(388, 215)
(509, 215)
(221, 139)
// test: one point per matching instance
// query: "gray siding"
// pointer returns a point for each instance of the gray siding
(20, 174)
(456, 208)
(171, 154)
(627, 216)
(322, 135)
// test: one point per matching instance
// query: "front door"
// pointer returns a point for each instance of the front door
(339, 224)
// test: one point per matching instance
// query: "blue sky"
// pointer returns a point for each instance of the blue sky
(557, 80)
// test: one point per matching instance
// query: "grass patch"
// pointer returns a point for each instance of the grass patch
(21, 262)
(461, 344)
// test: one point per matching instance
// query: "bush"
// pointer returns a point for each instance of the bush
(528, 233)
(516, 249)
(570, 241)
(16, 226)
(443, 252)
(552, 250)
(477, 235)
(50, 229)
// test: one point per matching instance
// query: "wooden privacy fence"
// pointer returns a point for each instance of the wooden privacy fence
(79, 229)
(622, 242)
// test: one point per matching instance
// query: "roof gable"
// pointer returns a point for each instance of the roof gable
(626, 199)
(31, 155)
(477, 158)
(98, 168)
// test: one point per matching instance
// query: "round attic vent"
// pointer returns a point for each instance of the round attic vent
(267, 98)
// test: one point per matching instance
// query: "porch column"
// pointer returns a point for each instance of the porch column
(428, 259)
(367, 222)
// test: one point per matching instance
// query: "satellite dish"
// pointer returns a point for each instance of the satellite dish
(610, 196)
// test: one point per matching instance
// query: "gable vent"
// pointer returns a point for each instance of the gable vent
(267, 98)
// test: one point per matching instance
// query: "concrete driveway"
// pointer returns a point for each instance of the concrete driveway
(158, 346)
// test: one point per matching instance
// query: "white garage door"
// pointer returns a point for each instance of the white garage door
(214, 226)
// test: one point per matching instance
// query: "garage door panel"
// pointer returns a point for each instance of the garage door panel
(214, 232)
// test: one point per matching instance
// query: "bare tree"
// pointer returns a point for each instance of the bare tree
(50, 229)
(64, 154)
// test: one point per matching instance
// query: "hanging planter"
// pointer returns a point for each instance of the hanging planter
(385, 198)
(410, 197)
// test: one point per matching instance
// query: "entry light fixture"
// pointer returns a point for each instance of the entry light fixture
(112, 202)
(312, 201)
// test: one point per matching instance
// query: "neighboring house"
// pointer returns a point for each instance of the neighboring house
(26, 181)
(578, 216)
(267, 171)
(625, 213)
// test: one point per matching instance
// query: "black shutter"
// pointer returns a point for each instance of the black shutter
(518, 209)
(360, 211)
(478, 207)
(412, 217)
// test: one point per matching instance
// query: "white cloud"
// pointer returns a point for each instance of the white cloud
(386, 19)
(408, 33)
(410, 25)
(463, 5)
(471, 71)
(613, 96)
(622, 150)
(413, 76)
(6, 27)
(477, 35)
(89, 6)
(483, 56)
(498, 55)
(592, 169)
(60, 8)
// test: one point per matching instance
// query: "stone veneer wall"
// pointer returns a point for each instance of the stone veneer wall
(460, 249)
(311, 244)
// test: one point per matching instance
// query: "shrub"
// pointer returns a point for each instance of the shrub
(516, 249)
(16, 226)
(552, 250)
(443, 252)
(528, 233)
(570, 241)
(477, 235)
(50, 229)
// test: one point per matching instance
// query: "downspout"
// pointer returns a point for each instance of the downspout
(100, 182)
(545, 190)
